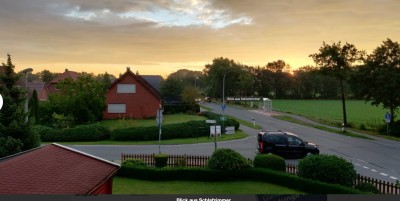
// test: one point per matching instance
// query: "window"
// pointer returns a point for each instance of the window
(116, 108)
(294, 141)
(126, 88)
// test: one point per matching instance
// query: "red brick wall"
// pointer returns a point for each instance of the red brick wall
(141, 104)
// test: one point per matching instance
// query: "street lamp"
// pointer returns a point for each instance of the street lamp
(195, 78)
(26, 71)
(223, 101)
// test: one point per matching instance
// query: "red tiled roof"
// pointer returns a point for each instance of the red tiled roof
(67, 74)
(53, 169)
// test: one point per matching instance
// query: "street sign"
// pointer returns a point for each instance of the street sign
(387, 117)
(222, 118)
(223, 106)
(210, 121)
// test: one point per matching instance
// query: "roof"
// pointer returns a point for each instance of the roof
(67, 74)
(53, 169)
(141, 80)
(154, 81)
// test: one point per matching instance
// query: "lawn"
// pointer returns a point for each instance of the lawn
(124, 185)
(330, 111)
(168, 119)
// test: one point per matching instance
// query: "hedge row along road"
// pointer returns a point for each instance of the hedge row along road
(376, 158)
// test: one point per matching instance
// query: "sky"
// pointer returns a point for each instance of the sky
(159, 37)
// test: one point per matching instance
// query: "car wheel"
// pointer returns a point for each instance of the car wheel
(309, 153)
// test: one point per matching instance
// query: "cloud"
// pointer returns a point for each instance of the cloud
(138, 32)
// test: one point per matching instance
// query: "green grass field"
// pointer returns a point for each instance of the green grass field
(122, 185)
(330, 111)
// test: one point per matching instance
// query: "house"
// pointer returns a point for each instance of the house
(154, 80)
(41, 90)
(56, 169)
(131, 96)
(67, 74)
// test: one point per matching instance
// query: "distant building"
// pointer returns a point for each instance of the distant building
(56, 169)
(41, 90)
(131, 96)
(67, 74)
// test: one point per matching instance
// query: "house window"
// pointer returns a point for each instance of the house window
(116, 108)
(126, 88)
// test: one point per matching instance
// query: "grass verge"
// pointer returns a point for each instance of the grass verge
(123, 185)
(238, 135)
(296, 121)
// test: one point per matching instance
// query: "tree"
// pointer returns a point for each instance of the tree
(337, 60)
(83, 99)
(378, 81)
(280, 79)
(171, 89)
(106, 79)
(47, 76)
(15, 134)
(189, 95)
(34, 107)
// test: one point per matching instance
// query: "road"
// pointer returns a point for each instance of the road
(378, 158)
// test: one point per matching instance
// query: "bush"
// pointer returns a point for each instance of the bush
(160, 160)
(9, 146)
(327, 168)
(270, 161)
(90, 132)
(135, 162)
(227, 159)
(181, 108)
(188, 129)
(367, 187)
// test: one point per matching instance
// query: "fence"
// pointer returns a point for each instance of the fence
(201, 161)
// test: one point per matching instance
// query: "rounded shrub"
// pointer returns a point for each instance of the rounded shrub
(227, 159)
(135, 162)
(160, 160)
(180, 162)
(367, 187)
(327, 168)
(270, 161)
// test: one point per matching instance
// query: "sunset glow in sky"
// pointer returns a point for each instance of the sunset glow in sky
(162, 36)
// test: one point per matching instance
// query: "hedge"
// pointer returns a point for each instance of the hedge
(80, 133)
(188, 129)
(181, 108)
(250, 174)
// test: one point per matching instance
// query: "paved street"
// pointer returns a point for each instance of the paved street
(377, 158)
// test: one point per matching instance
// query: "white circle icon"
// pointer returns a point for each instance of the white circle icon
(1, 101)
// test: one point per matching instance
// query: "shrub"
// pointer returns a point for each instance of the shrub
(160, 160)
(270, 161)
(9, 146)
(181, 108)
(227, 159)
(135, 162)
(90, 132)
(327, 168)
(170, 131)
(367, 187)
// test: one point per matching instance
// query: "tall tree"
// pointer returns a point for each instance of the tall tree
(15, 134)
(84, 98)
(280, 76)
(34, 107)
(378, 81)
(337, 60)
(47, 76)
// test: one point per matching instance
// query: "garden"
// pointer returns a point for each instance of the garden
(227, 170)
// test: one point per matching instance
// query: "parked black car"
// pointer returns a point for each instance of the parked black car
(284, 144)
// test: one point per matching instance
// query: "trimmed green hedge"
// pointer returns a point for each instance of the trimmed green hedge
(181, 108)
(270, 161)
(188, 129)
(250, 174)
(227, 159)
(81, 133)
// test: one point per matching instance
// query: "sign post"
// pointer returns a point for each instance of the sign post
(387, 119)
(159, 123)
(209, 121)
